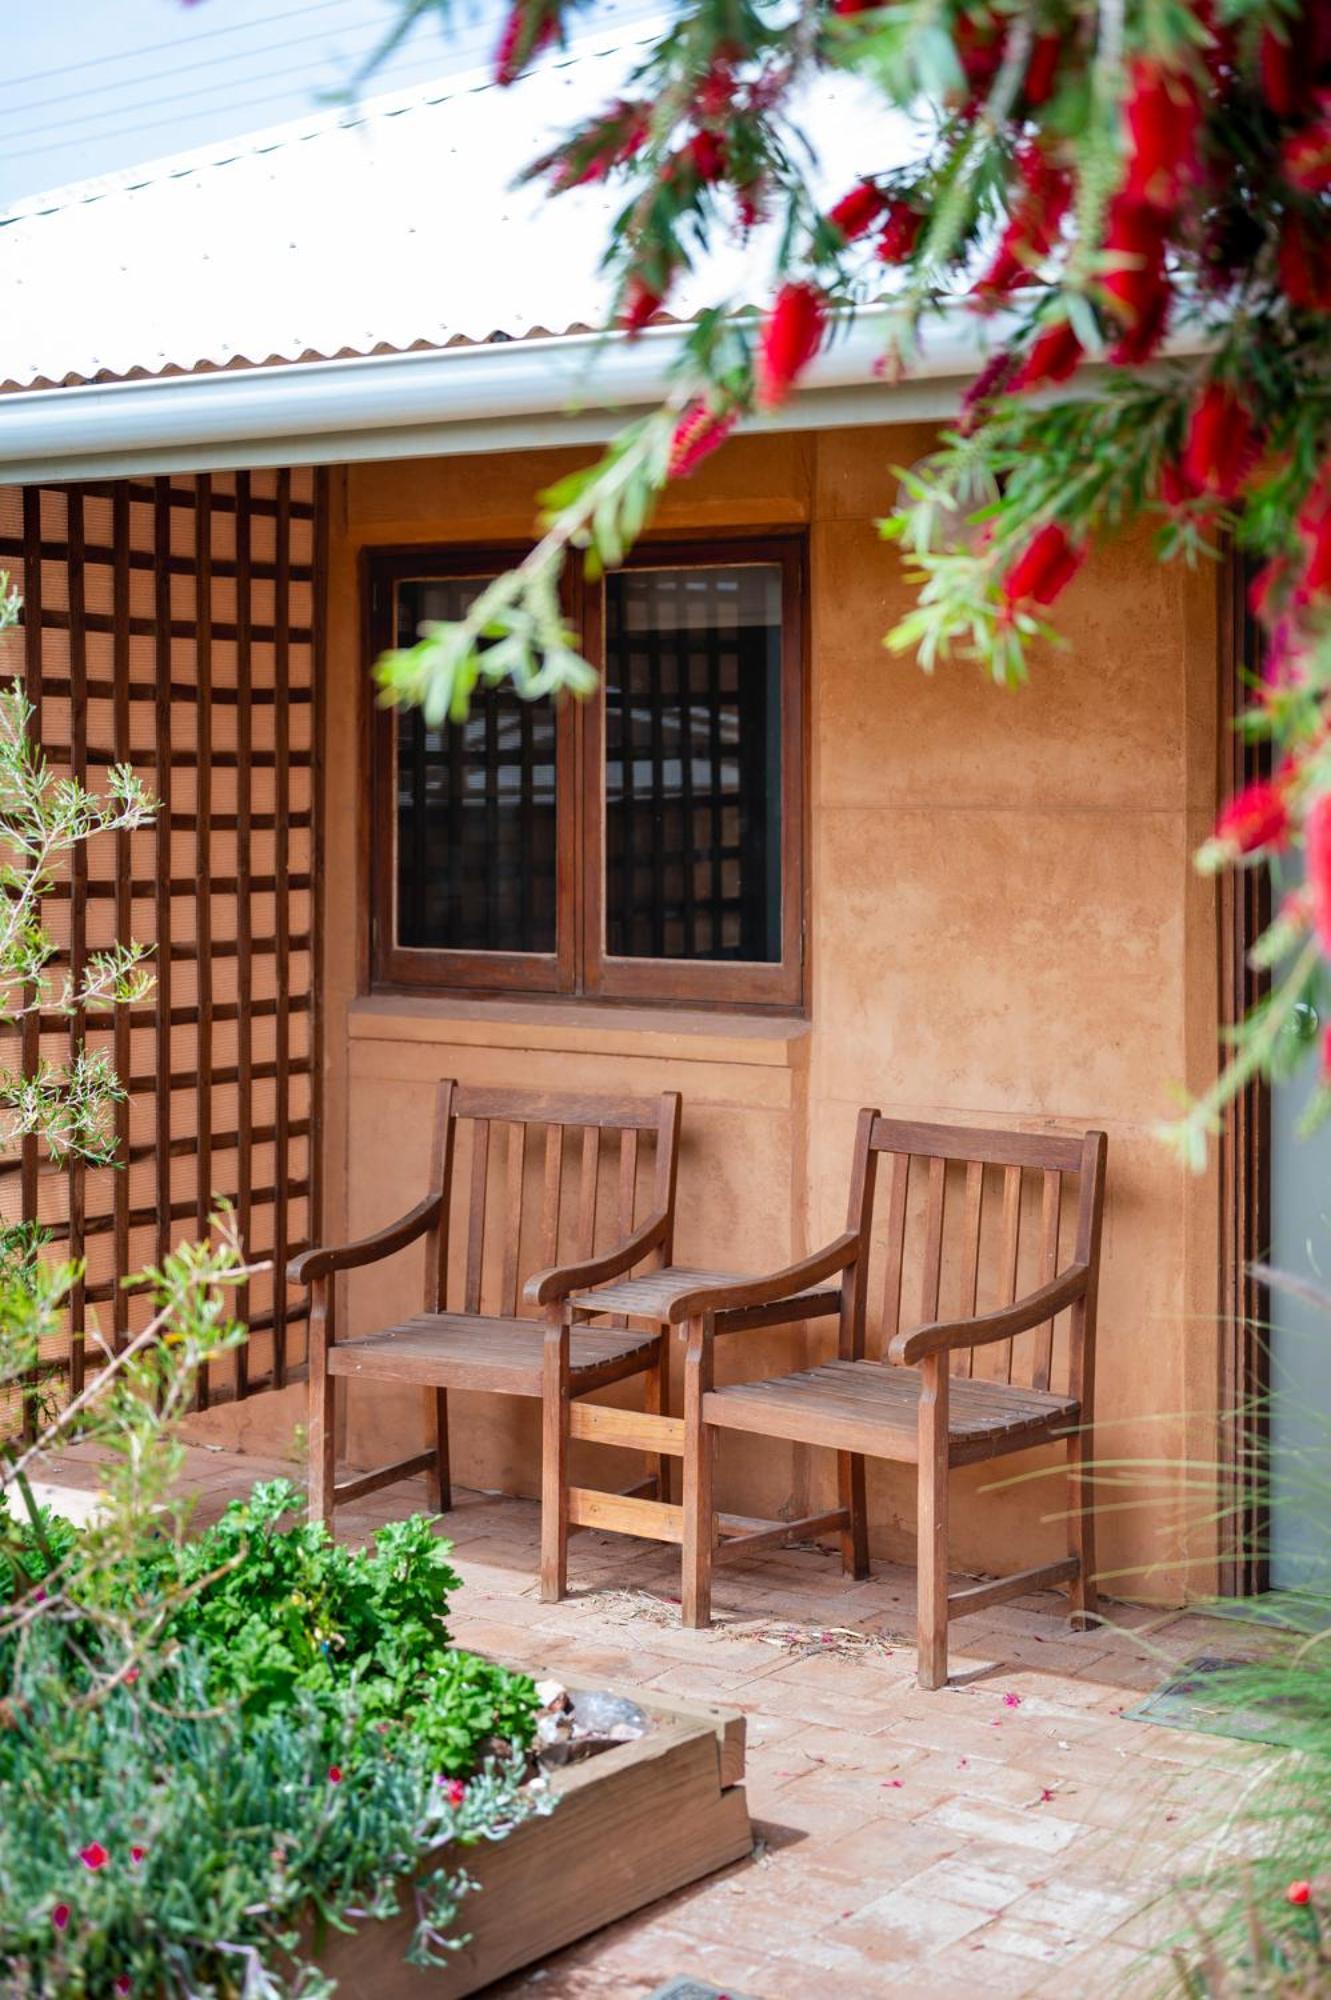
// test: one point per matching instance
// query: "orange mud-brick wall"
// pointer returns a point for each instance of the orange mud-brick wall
(170, 625)
(1004, 927)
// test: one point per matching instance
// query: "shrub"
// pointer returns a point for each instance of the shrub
(298, 1738)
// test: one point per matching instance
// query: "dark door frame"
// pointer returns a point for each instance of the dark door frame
(1245, 1170)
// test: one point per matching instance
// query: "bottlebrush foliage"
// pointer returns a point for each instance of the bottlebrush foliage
(1140, 187)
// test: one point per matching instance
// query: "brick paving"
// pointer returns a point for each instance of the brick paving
(1006, 1836)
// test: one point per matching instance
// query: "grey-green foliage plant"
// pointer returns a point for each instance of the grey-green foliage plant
(67, 1106)
(162, 1843)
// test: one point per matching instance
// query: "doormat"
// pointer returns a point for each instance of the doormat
(1190, 1700)
(697, 1989)
(1282, 1610)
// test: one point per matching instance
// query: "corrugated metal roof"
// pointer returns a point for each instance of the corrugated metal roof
(394, 227)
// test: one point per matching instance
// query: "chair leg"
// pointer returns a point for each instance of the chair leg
(855, 1535)
(554, 1461)
(656, 1403)
(322, 1443)
(932, 1519)
(699, 1453)
(443, 1486)
(1082, 1596)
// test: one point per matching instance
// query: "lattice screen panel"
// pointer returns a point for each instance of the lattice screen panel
(170, 625)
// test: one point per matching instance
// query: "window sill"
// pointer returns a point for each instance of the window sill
(681, 1035)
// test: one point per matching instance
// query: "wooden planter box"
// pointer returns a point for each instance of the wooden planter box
(630, 1825)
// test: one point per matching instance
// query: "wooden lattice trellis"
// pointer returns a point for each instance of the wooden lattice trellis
(171, 624)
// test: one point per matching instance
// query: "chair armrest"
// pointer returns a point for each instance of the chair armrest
(834, 1257)
(1036, 1307)
(322, 1263)
(561, 1279)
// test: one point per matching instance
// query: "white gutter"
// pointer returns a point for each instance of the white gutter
(503, 396)
(572, 389)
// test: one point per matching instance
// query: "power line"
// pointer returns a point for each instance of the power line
(204, 62)
(68, 141)
(158, 48)
(120, 109)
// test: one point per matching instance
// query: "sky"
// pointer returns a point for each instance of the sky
(96, 85)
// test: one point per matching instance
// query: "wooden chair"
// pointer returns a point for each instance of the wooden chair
(945, 1391)
(481, 1341)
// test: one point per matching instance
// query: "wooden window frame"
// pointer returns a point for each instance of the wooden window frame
(581, 968)
(414, 967)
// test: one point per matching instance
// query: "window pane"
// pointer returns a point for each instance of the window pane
(475, 807)
(693, 763)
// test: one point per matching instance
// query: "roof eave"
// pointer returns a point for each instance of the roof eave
(573, 389)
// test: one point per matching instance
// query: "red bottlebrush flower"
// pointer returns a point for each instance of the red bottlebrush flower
(980, 41)
(61, 1915)
(707, 155)
(1278, 73)
(94, 1856)
(641, 304)
(1042, 70)
(1136, 287)
(334, 1774)
(1221, 443)
(1138, 342)
(699, 432)
(1255, 818)
(1036, 214)
(716, 92)
(1176, 489)
(1306, 155)
(1317, 850)
(1315, 536)
(1299, 1893)
(522, 41)
(1265, 587)
(138, 1854)
(1163, 115)
(752, 202)
(900, 234)
(858, 211)
(1045, 568)
(989, 384)
(790, 339)
(1303, 261)
(1052, 358)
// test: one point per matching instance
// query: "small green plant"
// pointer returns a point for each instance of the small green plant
(280, 1610)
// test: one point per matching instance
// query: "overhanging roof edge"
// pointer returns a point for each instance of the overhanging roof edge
(507, 395)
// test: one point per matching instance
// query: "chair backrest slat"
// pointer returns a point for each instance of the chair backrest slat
(931, 1269)
(1008, 1258)
(898, 1189)
(480, 1175)
(964, 1360)
(514, 1167)
(980, 1229)
(587, 1189)
(628, 1180)
(1051, 1209)
(550, 1201)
